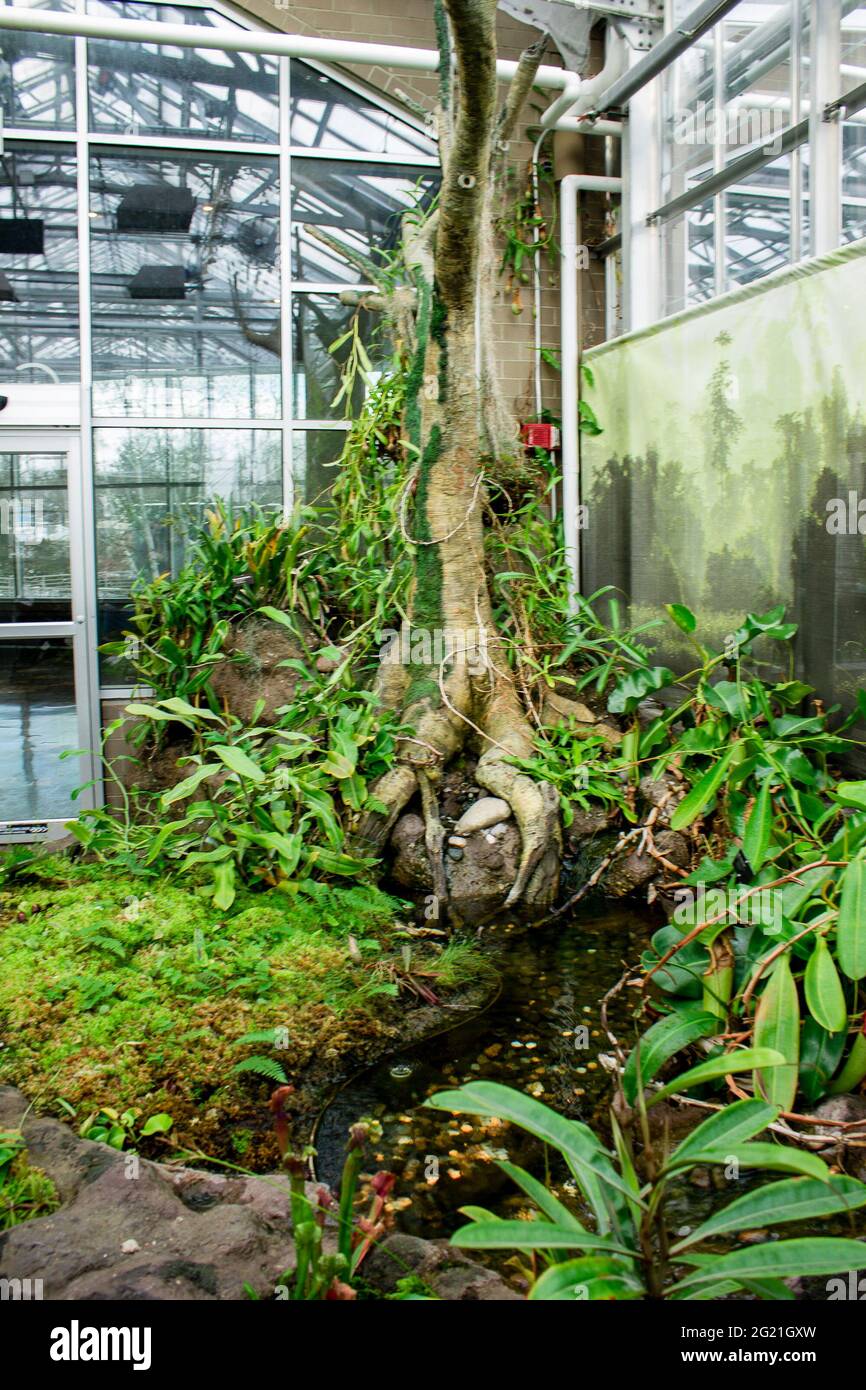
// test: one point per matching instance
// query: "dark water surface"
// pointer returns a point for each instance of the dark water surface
(542, 1035)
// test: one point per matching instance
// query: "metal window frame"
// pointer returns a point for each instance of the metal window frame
(820, 130)
(68, 442)
(86, 141)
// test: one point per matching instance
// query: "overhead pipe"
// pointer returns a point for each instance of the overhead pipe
(580, 93)
(682, 37)
(569, 191)
(264, 41)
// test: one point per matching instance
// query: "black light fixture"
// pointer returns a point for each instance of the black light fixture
(22, 236)
(155, 207)
(7, 293)
(158, 282)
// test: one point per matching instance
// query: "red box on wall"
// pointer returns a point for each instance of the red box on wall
(540, 436)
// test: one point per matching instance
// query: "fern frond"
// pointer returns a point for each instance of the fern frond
(263, 1035)
(262, 1066)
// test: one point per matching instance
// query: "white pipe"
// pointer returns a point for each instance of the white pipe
(570, 188)
(249, 41)
(583, 126)
(580, 93)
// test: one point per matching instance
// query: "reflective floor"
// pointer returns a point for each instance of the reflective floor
(37, 723)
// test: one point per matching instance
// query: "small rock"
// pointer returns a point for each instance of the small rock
(484, 814)
(457, 841)
(455, 853)
(129, 1247)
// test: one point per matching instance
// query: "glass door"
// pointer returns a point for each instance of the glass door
(47, 695)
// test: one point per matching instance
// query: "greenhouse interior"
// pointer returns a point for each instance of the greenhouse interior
(433, 663)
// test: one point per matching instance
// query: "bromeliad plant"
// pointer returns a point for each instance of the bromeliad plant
(263, 804)
(629, 1253)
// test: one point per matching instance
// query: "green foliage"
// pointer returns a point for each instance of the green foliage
(774, 937)
(121, 1128)
(266, 804)
(25, 1192)
(628, 1254)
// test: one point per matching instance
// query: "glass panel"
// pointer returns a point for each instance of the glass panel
(38, 722)
(314, 459)
(318, 321)
(186, 296)
(359, 205)
(37, 75)
(688, 128)
(757, 86)
(689, 252)
(149, 89)
(34, 539)
(38, 266)
(327, 116)
(854, 178)
(149, 484)
(853, 46)
(758, 227)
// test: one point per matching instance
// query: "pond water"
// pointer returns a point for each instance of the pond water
(542, 1034)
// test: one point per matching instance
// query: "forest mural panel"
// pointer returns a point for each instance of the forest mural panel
(731, 472)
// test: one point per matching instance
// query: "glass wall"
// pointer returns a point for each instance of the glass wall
(180, 241)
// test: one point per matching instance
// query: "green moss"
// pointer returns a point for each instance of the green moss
(114, 992)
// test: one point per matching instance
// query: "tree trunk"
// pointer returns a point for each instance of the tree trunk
(460, 432)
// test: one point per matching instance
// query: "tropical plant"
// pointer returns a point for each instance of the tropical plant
(260, 804)
(629, 1252)
(25, 1192)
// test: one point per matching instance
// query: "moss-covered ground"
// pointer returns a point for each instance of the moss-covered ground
(132, 994)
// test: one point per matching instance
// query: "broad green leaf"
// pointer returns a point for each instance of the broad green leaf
(820, 1055)
(851, 927)
(148, 711)
(543, 1198)
(759, 828)
(188, 711)
(189, 784)
(702, 793)
(531, 1235)
(851, 794)
(588, 1161)
(238, 761)
(825, 996)
(783, 1259)
(775, 1158)
(670, 1035)
(794, 1199)
(590, 1279)
(777, 1026)
(682, 616)
(224, 885)
(157, 1124)
(854, 1069)
(746, 1059)
(733, 1123)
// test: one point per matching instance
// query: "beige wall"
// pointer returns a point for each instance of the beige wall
(410, 23)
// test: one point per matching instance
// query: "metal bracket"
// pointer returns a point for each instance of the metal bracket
(639, 21)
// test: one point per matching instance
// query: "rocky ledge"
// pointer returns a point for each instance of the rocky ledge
(131, 1229)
